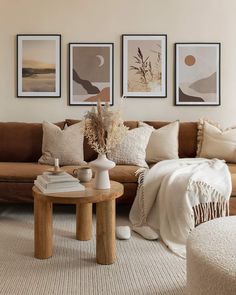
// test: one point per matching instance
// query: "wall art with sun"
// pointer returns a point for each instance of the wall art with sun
(197, 74)
(91, 73)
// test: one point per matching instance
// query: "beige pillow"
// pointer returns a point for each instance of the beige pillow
(132, 149)
(200, 132)
(217, 143)
(163, 143)
(66, 145)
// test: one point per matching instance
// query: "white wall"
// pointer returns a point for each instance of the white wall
(105, 21)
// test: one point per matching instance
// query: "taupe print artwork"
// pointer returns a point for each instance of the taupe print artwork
(91, 73)
(198, 74)
(38, 66)
(144, 65)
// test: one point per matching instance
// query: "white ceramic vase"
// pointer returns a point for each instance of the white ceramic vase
(101, 166)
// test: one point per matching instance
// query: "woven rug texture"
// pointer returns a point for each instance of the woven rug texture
(142, 267)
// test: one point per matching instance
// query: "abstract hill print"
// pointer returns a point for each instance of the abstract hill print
(197, 74)
(91, 73)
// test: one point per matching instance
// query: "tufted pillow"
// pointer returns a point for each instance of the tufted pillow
(217, 143)
(163, 143)
(132, 149)
(66, 145)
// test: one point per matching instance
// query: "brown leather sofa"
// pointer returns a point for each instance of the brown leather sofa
(20, 149)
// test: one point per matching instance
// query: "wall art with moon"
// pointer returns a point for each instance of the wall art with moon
(38, 65)
(91, 73)
(197, 74)
(144, 65)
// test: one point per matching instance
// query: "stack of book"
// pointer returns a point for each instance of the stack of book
(56, 183)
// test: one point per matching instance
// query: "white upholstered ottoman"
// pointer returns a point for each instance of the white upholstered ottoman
(211, 258)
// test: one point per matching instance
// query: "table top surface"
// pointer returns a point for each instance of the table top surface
(89, 195)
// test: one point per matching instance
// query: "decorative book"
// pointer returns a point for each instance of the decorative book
(64, 182)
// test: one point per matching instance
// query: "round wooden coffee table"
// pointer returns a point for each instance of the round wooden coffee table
(105, 219)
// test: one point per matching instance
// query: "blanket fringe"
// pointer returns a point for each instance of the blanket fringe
(207, 211)
(201, 192)
(210, 203)
(141, 172)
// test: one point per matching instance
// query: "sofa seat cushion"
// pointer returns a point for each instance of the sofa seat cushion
(124, 173)
(28, 172)
(25, 172)
(120, 173)
(232, 169)
(21, 172)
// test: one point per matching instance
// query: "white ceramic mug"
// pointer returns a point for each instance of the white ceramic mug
(84, 174)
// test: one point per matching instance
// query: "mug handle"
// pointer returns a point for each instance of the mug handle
(75, 172)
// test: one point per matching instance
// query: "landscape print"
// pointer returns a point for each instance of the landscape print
(91, 73)
(144, 66)
(198, 74)
(38, 66)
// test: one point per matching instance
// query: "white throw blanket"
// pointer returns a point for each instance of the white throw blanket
(176, 195)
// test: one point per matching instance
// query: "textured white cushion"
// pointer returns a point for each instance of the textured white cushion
(66, 145)
(211, 260)
(163, 143)
(217, 143)
(132, 149)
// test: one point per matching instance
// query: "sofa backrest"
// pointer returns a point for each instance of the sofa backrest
(21, 142)
(187, 138)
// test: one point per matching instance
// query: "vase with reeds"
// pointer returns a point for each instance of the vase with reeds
(104, 129)
(101, 167)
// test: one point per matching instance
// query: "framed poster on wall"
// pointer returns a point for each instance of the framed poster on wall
(38, 65)
(144, 65)
(90, 73)
(197, 74)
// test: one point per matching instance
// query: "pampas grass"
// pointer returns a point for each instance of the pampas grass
(104, 128)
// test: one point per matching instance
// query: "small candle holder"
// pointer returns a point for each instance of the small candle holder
(56, 169)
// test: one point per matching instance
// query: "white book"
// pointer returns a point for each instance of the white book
(77, 188)
(64, 176)
(44, 183)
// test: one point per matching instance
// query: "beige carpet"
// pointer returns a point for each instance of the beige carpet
(142, 267)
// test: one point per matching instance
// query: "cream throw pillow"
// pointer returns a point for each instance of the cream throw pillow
(200, 132)
(217, 143)
(132, 149)
(66, 145)
(163, 143)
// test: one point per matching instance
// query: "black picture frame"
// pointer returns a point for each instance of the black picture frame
(35, 68)
(102, 60)
(163, 78)
(181, 98)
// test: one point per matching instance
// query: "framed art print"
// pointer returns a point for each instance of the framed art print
(144, 65)
(197, 74)
(38, 65)
(90, 73)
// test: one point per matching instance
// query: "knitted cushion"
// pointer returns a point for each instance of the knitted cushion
(211, 260)
(132, 149)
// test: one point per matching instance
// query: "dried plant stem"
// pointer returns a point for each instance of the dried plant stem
(104, 128)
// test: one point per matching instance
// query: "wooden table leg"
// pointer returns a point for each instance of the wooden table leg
(84, 219)
(105, 247)
(43, 232)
